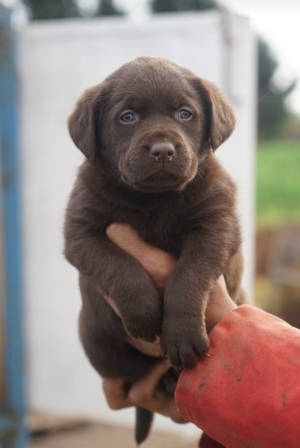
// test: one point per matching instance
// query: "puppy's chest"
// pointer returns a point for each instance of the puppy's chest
(162, 228)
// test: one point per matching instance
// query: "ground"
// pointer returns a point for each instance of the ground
(100, 436)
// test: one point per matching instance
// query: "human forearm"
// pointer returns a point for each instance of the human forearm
(248, 390)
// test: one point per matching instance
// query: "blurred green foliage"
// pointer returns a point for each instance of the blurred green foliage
(272, 111)
(63, 9)
(181, 5)
(107, 8)
(278, 183)
(52, 9)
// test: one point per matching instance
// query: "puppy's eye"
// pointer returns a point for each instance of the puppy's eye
(184, 114)
(128, 117)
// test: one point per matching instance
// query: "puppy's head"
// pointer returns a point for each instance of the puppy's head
(151, 124)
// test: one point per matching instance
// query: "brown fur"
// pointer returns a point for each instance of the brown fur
(185, 204)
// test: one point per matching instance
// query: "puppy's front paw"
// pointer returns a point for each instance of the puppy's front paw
(145, 321)
(184, 346)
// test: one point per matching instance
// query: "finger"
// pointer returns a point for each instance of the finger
(115, 393)
(148, 348)
(157, 263)
(143, 390)
(142, 394)
(127, 239)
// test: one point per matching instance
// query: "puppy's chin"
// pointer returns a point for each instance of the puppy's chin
(160, 182)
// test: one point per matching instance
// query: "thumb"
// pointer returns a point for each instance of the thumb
(157, 263)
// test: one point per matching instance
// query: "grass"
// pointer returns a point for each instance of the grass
(278, 183)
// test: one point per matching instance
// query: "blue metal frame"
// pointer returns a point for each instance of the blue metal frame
(12, 426)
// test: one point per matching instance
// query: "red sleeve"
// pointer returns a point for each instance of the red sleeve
(247, 393)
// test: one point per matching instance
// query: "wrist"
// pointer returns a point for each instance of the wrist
(218, 315)
(219, 304)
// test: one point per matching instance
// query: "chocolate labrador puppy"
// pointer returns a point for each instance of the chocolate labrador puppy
(149, 132)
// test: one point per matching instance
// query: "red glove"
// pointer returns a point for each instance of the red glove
(247, 393)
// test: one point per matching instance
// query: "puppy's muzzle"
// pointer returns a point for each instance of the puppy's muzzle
(162, 150)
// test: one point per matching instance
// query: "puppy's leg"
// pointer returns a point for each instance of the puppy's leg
(119, 276)
(105, 346)
(201, 262)
(104, 339)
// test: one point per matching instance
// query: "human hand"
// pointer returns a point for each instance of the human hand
(142, 393)
(159, 265)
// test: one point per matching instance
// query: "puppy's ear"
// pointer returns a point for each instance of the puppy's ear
(84, 122)
(221, 118)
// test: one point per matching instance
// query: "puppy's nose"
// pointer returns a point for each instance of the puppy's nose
(162, 150)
